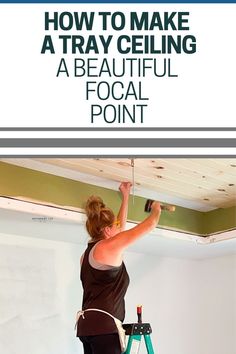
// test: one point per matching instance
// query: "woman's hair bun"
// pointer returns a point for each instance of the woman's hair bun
(98, 217)
(94, 206)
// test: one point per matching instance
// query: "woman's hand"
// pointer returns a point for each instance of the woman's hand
(156, 208)
(125, 188)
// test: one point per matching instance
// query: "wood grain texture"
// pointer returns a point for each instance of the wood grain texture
(207, 181)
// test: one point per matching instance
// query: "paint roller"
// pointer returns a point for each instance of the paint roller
(148, 206)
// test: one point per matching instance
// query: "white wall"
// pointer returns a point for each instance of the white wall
(38, 315)
(190, 304)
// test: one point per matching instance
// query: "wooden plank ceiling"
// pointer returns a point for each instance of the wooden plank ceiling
(211, 182)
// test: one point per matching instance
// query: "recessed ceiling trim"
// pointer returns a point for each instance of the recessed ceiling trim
(77, 215)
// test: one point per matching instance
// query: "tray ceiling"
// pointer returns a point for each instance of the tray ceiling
(202, 184)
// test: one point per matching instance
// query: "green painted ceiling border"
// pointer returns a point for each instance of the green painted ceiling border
(18, 182)
(219, 220)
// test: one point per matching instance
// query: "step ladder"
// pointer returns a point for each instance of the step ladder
(136, 331)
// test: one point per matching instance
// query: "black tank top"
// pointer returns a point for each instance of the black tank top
(104, 290)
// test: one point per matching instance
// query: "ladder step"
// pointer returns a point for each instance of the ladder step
(137, 328)
(135, 332)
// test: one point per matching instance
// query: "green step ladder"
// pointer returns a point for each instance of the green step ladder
(136, 331)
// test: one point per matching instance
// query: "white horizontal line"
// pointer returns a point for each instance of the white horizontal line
(117, 152)
(117, 134)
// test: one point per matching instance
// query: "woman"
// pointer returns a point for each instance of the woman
(103, 273)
